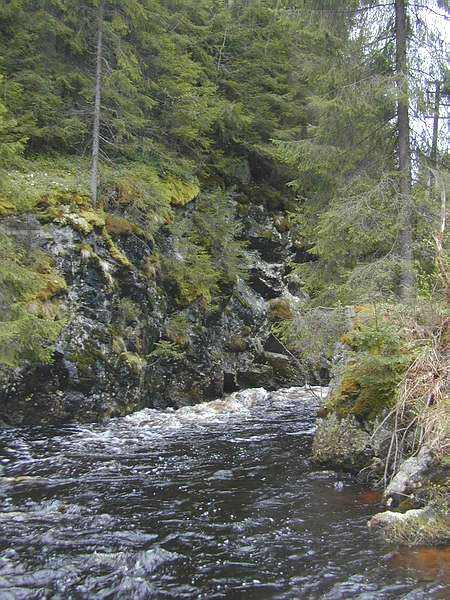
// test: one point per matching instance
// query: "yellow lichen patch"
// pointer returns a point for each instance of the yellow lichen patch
(85, 220)
(68, 208)
(96, 219)
(6, 208)
(114, 251)
(181, 192)
(81, 201)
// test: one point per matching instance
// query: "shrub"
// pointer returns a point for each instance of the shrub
(166, 350)
(178, 330)
(217, 230)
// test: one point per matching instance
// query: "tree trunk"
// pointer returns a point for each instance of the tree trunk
(97, 107)
(404, 153)
(435, 138)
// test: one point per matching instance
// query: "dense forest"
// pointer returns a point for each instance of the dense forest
(199, 196)
(292, 106)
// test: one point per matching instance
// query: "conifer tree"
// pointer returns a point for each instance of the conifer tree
(404, 151)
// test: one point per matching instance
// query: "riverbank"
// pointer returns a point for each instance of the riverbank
(387, 417)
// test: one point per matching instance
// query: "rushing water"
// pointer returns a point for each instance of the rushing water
(218, 501)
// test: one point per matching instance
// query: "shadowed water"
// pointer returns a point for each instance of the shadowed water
(217, 501)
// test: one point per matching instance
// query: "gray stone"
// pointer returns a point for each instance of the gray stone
(409, 476)
(389, 518)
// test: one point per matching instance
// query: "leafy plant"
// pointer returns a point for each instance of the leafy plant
(167, 350)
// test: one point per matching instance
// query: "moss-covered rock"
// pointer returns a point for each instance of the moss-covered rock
(6, 208)
(415, 527)
(115, 251)
(342, 443)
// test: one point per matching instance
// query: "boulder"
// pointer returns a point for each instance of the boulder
(409, 476)
(390, 518)
(342, 443)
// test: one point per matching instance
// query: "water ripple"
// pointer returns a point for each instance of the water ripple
(214, 501)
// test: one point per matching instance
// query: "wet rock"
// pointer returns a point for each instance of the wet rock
(341, 443)
(103, 364)
(87, 380)
(266, 279)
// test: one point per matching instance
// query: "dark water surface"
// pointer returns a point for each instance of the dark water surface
(219, 501)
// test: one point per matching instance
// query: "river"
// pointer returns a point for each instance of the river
(215, 501)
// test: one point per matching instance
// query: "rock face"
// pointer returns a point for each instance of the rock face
(409, 476)
(342, 443)
(107, 360)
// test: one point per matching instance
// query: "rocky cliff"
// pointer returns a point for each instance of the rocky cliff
(127, 342)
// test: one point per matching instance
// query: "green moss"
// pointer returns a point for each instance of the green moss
(6, 208)
(195, 276)
(180, 192)
(69, 208)
(166, 350)
(115, 252)
(54, 284)
(422, 530)
(377, 362)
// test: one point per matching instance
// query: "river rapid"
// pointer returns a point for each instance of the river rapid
(219, 500)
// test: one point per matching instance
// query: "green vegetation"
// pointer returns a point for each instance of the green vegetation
(377, 360)
(167, 350)
(212, 112)
(31, 320)
(427, 530)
